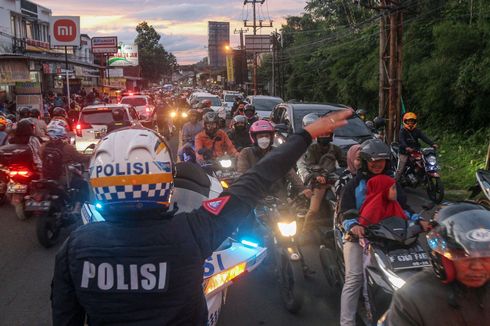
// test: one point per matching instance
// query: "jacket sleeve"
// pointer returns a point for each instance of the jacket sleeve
(339, 156)
(347, 202)
(242, 163)
(424, 137)
(198, 145)
(235, 204)
(66, 310)
(295, 180)
(402, 311)
(252, 186)
(403, 139)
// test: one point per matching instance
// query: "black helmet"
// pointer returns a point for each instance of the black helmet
(370, 124)
(374, 150)
(24, 113)
(118, 114)
(379, 122)
(35, 113)
(462, 231)
(25, 127)
(310, 118)
(59, 112)
(238, 119)
(210, 117)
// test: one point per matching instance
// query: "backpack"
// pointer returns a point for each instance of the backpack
(52, 159)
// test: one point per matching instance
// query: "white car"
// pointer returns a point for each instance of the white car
(143, 105)
(93, 121)
(216, 104)
(264, 104)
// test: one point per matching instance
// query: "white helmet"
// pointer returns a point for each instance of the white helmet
(131, 169)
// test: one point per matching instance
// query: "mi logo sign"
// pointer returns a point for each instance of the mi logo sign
(65, 31)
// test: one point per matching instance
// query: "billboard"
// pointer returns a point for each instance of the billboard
(64, 30)
(258, 43)
(104, 45)
(127, 55)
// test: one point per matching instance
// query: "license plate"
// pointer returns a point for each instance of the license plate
(406, 260)
(37, 206)
(16, 188)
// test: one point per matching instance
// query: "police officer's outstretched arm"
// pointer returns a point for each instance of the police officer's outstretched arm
(219, 217)
(402, 311)
(66, 310)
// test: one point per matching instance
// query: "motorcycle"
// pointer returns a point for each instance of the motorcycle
(228, 262)
(279, 226)
(222, 168)
(52, 205)
(482, 187)
(421, 167)
(17, 173)
(392, 254)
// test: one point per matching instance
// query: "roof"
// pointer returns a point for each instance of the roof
(316, 106)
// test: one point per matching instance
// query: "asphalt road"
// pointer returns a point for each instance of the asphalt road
(26, 269)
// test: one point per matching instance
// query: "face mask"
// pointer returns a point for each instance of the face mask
(324, 140)
(264, 142)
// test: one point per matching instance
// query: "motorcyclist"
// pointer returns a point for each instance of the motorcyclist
(249, 113)
(353, 165)
(409, 141)
(261, 134)
(24, 134)
(375, 160)
(212, 142)
(238, 133)
(458, 292)
(189, 131)
(237, 102)
(3, 132)
(239, 109)
(73, 113)
(143, 265)
(118, 120)
(60, 114)
(321, 153)
(58, 152)
(24, 113)
(41, 128)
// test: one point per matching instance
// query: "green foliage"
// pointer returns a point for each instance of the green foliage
(155, 61)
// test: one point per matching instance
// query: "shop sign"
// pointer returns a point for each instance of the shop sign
(127, 55)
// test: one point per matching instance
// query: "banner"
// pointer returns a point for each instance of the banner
(11, 72)
(230, 73)
(127, 55)
(64, 30)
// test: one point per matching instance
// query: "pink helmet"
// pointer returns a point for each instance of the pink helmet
(260, 126)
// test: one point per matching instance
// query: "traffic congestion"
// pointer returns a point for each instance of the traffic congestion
(176, 197)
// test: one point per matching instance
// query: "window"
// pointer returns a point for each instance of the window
(135, 101)
(133, 113)
(29, 30)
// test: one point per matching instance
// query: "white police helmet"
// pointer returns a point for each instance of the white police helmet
(131, 169)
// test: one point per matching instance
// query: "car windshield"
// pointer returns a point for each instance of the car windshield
(354, 128)
(266, 104)
(230, 97)
(214, 100)
(99, 117)
(134, 101)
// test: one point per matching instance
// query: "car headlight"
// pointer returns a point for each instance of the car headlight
(173, 114)
(394, 279)
(184, 115)
(225, 163)
(431, 160)
(287, 229)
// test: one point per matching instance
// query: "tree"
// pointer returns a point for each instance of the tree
(155, 61)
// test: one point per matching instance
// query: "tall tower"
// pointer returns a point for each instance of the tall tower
(218, 38)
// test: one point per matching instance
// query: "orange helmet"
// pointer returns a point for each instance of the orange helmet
(409, 121)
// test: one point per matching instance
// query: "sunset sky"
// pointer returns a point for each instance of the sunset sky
(182, 24)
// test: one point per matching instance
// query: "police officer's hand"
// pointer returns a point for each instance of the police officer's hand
(327, 124)
(321, 180)
(358, 231)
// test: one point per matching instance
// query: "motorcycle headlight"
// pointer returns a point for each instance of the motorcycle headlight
(184, 115)
(287, 229)
(225, 163)
(394, 279)
(431, 160)
(173, 114)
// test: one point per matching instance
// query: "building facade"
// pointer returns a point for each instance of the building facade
(218, 39)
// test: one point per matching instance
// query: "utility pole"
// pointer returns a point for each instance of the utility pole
(255, 26)
(390, 63)
(243, 56)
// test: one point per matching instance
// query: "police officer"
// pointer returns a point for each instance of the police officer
(458, 292)
(118, 120)
(143, 266)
